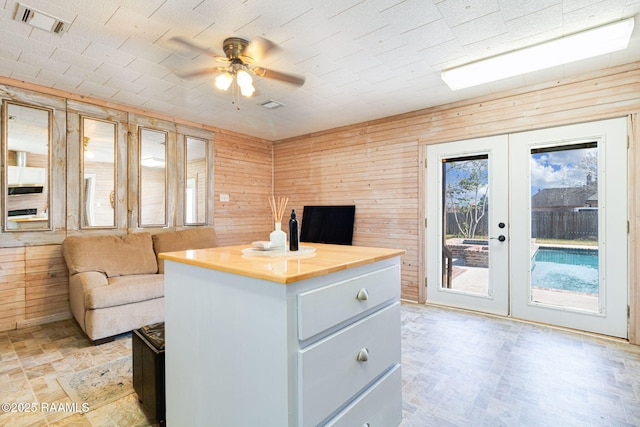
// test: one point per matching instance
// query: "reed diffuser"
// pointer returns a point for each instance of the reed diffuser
(278, 238)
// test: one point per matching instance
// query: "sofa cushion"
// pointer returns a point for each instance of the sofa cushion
(192, 238)
(111, 255)
(125, 290)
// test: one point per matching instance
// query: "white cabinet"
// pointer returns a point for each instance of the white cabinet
(338, 368)
(322, 308)
(378, 405)
(246, 351)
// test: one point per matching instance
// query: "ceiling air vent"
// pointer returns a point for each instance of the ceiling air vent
(271, 104)
(41, 20)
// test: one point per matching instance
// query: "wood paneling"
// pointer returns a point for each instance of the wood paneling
(46, 278)
(12, 287)
(243, 170)
(379, 165)
(376, 165)
(361, 168)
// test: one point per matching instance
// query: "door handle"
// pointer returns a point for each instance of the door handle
(500, 238)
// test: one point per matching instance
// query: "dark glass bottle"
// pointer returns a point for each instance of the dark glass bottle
(293, 231)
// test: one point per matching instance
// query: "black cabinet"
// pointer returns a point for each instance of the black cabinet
(148, 369)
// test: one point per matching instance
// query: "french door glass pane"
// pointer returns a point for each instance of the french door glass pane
(465, 257)
(564, 227)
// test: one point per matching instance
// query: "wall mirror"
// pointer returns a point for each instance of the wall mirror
(98, 172)
(28, 159)
(153, 178)
(195, 181)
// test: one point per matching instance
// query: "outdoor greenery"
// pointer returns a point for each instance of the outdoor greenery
(466, 194)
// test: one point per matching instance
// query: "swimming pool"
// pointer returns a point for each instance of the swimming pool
(571, 269)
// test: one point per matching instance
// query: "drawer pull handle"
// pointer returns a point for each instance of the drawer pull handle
(363, 295)
(363, 355)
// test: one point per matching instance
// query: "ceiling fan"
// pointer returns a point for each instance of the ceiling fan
(241, 61)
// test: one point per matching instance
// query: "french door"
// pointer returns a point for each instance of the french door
(467, 213)
(532, 225)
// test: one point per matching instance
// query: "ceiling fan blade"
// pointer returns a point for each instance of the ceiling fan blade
(260, 47)
(201, 72)
(194, 47)
(277, 75)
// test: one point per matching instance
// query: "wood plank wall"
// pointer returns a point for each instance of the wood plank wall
(242, 169)
(12, 287)
(47, 282)
(34, 279)
(371, 167)
(33, 274)
(378, 165)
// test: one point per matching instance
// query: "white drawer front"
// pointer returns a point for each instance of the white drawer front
(379, 406)
(329, 372)
(322, 308)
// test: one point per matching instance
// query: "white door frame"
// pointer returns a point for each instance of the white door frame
(496, 147)
(611, 136)
(614, 221)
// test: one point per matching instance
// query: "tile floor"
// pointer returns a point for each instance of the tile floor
(459, 369)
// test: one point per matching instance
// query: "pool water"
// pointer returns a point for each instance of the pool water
(573, 270)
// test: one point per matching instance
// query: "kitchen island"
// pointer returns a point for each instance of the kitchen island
(259, 339)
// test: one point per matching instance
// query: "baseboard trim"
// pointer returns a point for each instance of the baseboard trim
(42, 320)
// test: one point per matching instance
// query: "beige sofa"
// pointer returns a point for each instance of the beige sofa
(116, 283)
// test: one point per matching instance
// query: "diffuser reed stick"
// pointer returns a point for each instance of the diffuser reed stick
(278, 206)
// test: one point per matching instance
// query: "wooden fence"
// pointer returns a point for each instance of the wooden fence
(582, 225)
(452, 225)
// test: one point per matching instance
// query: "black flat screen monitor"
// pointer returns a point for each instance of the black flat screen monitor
(328, 224)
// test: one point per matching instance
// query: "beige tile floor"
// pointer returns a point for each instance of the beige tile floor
(459, 369)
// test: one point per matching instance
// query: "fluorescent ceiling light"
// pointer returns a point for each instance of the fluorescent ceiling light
(597, 41)
(152, 162)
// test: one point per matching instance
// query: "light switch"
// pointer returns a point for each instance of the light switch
(224, 197)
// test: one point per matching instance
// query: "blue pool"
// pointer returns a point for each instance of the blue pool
(567, 269)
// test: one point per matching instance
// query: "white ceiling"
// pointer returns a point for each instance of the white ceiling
(362, 59)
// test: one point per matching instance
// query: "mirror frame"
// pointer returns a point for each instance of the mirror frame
(206, 178)
(113, 198)
(5, 154)
(140, 195)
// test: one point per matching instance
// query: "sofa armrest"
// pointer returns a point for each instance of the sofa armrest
(79, 285)
(88, 280)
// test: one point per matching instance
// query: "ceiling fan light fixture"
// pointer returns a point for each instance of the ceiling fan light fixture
(223, 81)
(244, 79)
(87, 153)
(247, 90)
(245, 82)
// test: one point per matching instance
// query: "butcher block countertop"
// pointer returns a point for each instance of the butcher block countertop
(313, 260)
